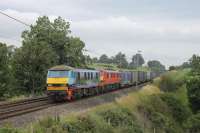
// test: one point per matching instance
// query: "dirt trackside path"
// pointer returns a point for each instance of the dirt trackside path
(66, 108)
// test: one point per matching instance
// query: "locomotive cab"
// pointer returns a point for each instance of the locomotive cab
(58, 80)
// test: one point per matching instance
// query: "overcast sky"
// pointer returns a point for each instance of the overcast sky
(165, 30)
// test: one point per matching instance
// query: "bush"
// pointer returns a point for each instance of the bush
(47, 125)
(193, 124)
(193, 86)
(171, 81)
(121, 119)
(157, 112)
(165, 111)
(8, 129)
(89, 123)
(182, 95)
(179, 111)
(162, 122)
(153, 103)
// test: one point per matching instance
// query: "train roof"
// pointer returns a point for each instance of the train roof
(68, 68)
(61, 67)
(85, 70)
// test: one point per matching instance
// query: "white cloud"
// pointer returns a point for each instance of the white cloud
(10, 31)
(171, 41)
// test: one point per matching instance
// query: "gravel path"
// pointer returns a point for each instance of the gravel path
(66, 108)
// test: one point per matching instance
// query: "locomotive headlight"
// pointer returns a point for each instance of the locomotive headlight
(49, 85)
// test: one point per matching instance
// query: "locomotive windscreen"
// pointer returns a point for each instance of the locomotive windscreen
(56, 73)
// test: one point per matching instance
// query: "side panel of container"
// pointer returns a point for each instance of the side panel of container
(145, 76)
(126, 78)
(148, 75)
(134, 77)
(140, 76)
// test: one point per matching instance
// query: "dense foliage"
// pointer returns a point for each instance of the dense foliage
(172, 81)
(193, 124)
(193, 83)
(176, 83)
(30, 65)
(56, 35)
(5, 69)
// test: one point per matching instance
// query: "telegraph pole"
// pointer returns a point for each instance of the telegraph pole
(137, 65)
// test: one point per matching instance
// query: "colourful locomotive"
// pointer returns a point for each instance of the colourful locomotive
(67, 83)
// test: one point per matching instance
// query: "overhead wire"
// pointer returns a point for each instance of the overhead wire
(15, 19)
(24, 23)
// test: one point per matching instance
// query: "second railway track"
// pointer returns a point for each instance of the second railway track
(12, 109)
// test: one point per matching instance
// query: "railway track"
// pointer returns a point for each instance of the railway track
(12, 109)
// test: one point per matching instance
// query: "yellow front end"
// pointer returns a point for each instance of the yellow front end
(57, 84)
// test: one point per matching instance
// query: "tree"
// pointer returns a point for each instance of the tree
(104, 59)
(193, 83)
(88, 60)
(30, 65)
(185, 65)
(94, 60)
(195, 64)
(120, 60)
(44, 45)
(56, 35)
(137, 60)
(156, 66)
(5, 69)
(74, 52)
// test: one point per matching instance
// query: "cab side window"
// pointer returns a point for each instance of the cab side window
(88, 76)
(85, 75)
(73, 74)
(78, 76)
(91, 75)
(96, 75)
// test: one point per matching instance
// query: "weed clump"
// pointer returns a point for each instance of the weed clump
(88, 123)
(122, 119)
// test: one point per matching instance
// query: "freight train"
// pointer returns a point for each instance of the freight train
(67, 83)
